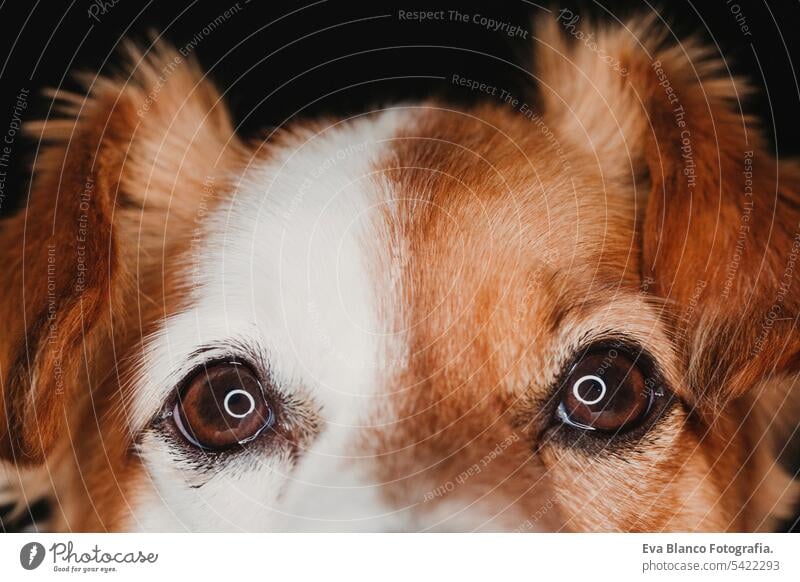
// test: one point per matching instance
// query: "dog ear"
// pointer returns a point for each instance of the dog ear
(720, 220)
(721, 233)
(127, 161)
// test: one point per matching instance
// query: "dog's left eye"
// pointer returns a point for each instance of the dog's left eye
(222, 406)
(606, 391)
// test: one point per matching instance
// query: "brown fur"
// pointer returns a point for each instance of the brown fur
(521, 240)
(145, 146)
(489, 200)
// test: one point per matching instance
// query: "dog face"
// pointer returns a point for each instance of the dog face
(577, 315)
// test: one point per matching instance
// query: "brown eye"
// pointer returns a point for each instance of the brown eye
(223, 405)
(606, 391)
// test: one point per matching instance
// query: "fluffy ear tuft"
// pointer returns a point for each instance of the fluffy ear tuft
(129, 156)
(598, 82)
(161, 117)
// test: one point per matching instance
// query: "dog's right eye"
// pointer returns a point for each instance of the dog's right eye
(222, 406)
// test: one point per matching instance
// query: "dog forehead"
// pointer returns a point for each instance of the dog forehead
(351, 248)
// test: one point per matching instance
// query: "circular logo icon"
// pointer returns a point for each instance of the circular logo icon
(31, 555)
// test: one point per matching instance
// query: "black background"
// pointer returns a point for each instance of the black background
(275, 60)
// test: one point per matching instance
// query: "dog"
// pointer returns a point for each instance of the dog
(574, 315)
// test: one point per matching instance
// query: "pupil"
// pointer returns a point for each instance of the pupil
(589, 390)
(239, 403)
(236, 403)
